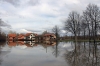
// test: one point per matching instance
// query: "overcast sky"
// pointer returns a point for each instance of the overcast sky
(39, 15)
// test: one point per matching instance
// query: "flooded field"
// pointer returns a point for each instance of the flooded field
(59, 54)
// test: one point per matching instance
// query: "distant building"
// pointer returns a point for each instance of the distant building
(30, 36)
(49, 36)
(39, 38)
(21, 37)
(11, 37)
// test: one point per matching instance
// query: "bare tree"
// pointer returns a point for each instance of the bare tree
(84, 26)
(44, 32)
(92, 17)
(72, 24)
(56, 31)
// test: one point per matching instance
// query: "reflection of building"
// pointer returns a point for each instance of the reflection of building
(49, 42)
(21, 43)
(11, 44)
(30, 43)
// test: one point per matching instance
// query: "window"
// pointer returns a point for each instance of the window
(31, 44)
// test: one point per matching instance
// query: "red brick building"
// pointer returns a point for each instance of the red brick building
(11, 37)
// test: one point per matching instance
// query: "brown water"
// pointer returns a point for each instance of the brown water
(60, 54)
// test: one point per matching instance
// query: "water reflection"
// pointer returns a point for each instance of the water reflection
(44, 44)
(2, 53)
(56, 51)
(28, 53)
(21, 53)
(30, 43)
(84, 54)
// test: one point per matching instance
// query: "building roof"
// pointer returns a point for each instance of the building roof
(28, 34)
(21, 35)
(12, 35)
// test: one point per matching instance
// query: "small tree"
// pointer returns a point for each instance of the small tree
(44, 32)
(56, 31)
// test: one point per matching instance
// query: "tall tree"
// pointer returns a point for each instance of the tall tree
(72, 24)
(83, 27)
(92, 17)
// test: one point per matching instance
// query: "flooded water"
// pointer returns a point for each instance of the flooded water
(59, 54)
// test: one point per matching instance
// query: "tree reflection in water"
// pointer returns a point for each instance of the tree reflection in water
(84, 54)
(56, 51)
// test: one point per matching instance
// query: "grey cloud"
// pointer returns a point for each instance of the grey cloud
(35, 30)
(89, 1)
(33, 2)
(4, 24)
(18, 2)
(13, 2)
(74, 7)
(79, 7)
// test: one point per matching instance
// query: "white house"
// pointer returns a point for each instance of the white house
(30, 36)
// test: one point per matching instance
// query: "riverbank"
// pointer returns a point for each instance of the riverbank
(81, 40)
